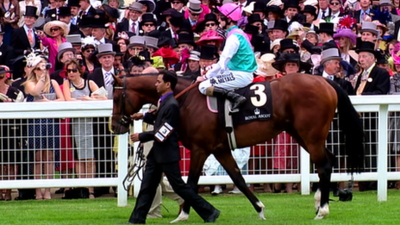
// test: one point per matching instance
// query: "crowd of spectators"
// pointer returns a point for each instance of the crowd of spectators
(70, 50)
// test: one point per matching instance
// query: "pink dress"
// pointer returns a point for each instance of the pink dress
(51, 44)
(286, 152)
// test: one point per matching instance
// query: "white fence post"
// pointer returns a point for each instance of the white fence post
(305, 171)
(122, 169)
(382, 152)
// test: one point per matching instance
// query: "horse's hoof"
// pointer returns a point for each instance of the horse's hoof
(182, 217)
(261, 213)
(317, 200)
(322, 212)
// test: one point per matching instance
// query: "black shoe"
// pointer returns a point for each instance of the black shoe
(60, 191)
(237, 102)
(214, 216)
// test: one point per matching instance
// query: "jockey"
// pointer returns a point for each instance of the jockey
(237, 62)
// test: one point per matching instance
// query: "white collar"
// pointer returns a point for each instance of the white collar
(370, 68)
(325, 74)
(105, 71)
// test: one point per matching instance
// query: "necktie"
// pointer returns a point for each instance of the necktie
(30, 37)
(363, 15)
(73, 20)
(107, 78)
(331, 77)
(133, 27)
(84, 13)
(323, 14)
(363, 82)
(175, 36)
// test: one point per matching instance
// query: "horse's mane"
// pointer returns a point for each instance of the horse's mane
(180, 78)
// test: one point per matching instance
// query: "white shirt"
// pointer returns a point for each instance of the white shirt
(136, 31)
(326, 75)
(367, 72)
(108, 87)
(335, 17)
(321, 13)
(101, 41)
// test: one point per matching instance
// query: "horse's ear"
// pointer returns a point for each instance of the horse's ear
(117, 81)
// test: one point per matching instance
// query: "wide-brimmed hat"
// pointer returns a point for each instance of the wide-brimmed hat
(385, 3)
(365, 46)
(382, 26)
(168, 54)
(346, 33)
(288, 43)
(186, 38)
(280, 25)
(105, 49)
(195, 6)
(110, 11)
(295, 33)
(148, 17)
(249, 8)
(137, 41)
(194, 55)
(74, 3)
(275, 3)
(254, 18)
(55, 23)
(210, 35)
(310, 9)
(211, 17)
(151, 6)
(64, 47)
(151, 42)
(264, 65)
(369, 27)
(64, 11)
(136, 6)
(329, 54)
(275, 43)
(4, 69)
(30, 11)
(326, 28)
(290, 57)
(209, 52)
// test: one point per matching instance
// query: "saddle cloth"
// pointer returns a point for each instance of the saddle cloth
(257, 107)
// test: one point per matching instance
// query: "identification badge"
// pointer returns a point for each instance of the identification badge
(163, 132)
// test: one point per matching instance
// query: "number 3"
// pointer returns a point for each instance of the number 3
(259, 91)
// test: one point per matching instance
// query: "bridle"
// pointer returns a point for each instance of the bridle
(124, 120)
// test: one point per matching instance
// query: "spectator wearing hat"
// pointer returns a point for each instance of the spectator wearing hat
(208, 56)
(148, 23)
(210, 37)
(6, 51)
(76, 41)
(23, 39)
(326, 31)
(175, 23)
(336, 15)
(274, 13)
(65, 16)
(99, 31)
(151, 44)
(10, 16)
(88, 49)
(288, 63)
(193, 14)
(86, 9)
(347, 41)
(256, 20)
(178, 5)
(211, 23)
(279, 29)
(369, 32)
(65, 52)
(132, 23)
(291, 8)
(75, 8)
(186, 41)
(287, 46)
(259, 8)
(324, 10)
(50, 12)
(22, 8)
(136, 45)
(57, 31)
(148, 6)
(311, 16)
(193, 65)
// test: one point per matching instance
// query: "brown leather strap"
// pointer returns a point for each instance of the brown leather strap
(187, 89)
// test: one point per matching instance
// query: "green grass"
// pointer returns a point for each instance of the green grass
(280, 209)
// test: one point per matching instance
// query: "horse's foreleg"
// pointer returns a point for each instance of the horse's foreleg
(228, 162)
(322, 195)
(197, 159)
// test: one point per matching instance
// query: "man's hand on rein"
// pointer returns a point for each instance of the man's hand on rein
(137, 116)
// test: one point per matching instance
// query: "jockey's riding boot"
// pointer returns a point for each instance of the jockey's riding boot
(236, 99)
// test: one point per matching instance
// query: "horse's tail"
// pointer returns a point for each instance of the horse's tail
(351, 125)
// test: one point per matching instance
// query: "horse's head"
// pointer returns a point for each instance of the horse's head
(123, 106)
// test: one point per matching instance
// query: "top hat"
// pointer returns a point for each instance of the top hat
(288, 43)
(290, 57)
(251, 29)
(64, 47)
(176, 19)
(329, 54)
(185, 27)
(186, 38)
(136, 6)
(369, 27)
(117, 50)
(280, 25)
(31, 11)
(151, 42)
(259, 7)
(98, 22)
(310, 9)
(136, 40)
(146, 55)
(195, 6)
(74, 3)
(51, 15)
(105, 49)
(151, 6)
(291, 4)
(163, 6)
(86, 21)
(381, 57)
(366, 46)
(326, 28)
(74, 38)
(209, 52)
(162, 39)
(148, 17)
(211, 17)
(254, 18)
(194, 55)
(64, 11)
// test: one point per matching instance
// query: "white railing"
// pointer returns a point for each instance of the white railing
(380, 104)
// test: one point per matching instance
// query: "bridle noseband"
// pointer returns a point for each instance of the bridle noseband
(124, 120)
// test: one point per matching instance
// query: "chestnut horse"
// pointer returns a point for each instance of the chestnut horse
(303, 105)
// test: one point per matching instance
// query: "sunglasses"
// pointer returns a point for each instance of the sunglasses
(137, 49)
(176, 2)
(210, 24)
(54, 29)
(72, 70)
(148, 25)
(335, 3)
(89, 50)
(193, 14)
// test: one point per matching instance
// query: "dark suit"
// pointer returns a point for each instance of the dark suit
(92, 11)
(356, 15)
(20, 41)
(124, 26)
(165, 157)
(380, 84)
(7, 53)
(74, 29)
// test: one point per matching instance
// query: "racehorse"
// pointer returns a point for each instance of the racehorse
(303, 105)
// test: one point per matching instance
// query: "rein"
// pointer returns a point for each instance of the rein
(125, 120)
(187, 89)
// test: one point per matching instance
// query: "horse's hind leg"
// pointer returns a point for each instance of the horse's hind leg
(228, 162)
(324, 167)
